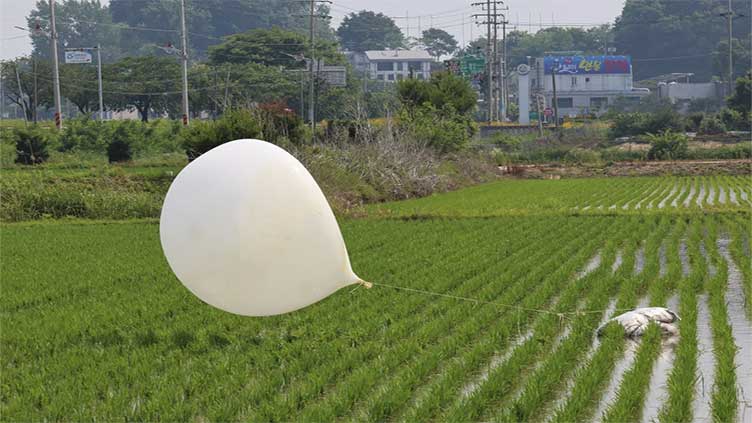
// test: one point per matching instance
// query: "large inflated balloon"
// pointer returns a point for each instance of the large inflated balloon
(246, 228)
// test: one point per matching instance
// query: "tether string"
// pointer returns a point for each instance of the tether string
(478, 301)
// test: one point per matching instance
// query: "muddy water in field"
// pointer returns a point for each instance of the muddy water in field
(712, 271)
(652, 201)
(662, 204)
(675, 202)
(732, 197)
(700, 195)
(684, 258)
(721, 195)
(658, 388)
(662, 261)
(711, 195)
(617, 374)
(565, 393)
(705, 363)
(590, 266)
(639, 204)
(690, 196)
(741, 329)
(496, 361)
(618, 260)
(743, 194)
(639, 263)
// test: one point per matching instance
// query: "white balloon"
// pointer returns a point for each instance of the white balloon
(246, 229)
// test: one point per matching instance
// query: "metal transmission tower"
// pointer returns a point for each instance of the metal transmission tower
(493, 67)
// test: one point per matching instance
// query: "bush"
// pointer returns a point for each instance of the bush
(667, 145)
(119, 149)
(694, 121)
(582, 156)
(202, 136)
(711, 125)
(735, 120)
(638, 123)
(32, 145)
(84, 134)
(445, 130)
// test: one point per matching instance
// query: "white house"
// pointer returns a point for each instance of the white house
(392, 65)
(584, 84)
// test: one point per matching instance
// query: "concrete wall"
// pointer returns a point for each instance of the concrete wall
(689, 91)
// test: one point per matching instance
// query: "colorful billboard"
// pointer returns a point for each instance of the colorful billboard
(587, 65)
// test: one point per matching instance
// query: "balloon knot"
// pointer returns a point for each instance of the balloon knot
(366, 284)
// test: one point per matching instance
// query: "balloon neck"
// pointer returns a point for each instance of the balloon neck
(365, 284)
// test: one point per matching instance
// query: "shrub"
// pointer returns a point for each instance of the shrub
(32, 145)
(119, 149)
(667, 145)
(445, 130)
(84, 134)
(712, 125)
(201, 137)
(694, 121)
(582, 156)
(638, 123)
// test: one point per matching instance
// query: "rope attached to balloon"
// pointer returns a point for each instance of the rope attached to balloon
(561, 315)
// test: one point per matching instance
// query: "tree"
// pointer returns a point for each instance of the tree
(78, 83)
(438, 42)
(741, 99)
(79, 23)
(26, 68)
(209, 21)
(366, 30)
(665, 36)
(443, 89)
(741, 50)
(144, 83)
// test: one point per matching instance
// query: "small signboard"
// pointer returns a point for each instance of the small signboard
(472, 65)
(77, 56)
(335, 76)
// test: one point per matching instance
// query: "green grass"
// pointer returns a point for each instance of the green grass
(95, 325)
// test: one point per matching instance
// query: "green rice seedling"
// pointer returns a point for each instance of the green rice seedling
(724, 398)
(631, 396)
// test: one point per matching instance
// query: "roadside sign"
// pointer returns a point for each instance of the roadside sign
(77, 56)
(472, 65)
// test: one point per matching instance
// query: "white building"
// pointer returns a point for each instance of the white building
(584, 84)
(392, 65)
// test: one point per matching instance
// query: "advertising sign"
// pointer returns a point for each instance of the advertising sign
(76, 56)
(587, 65)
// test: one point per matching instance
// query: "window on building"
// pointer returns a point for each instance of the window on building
(404, 66)
(385, 66)
(380, 77)
(598, 102)
(574, 81)
(415, 66)
(390, 77)
(565, 102)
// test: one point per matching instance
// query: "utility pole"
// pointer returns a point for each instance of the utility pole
(312, 80)
(99, 81)
(729, 15)
(21, 96)
(503, 67)
(55, 69)
(34, 101)
(184, 56)
(493, 67)
(313, 63)
(554, 68)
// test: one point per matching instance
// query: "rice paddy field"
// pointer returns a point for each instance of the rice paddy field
(484, 308)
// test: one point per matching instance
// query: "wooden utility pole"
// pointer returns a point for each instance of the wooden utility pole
(555, 102)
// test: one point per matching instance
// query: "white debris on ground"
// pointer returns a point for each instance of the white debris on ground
(635, 322)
